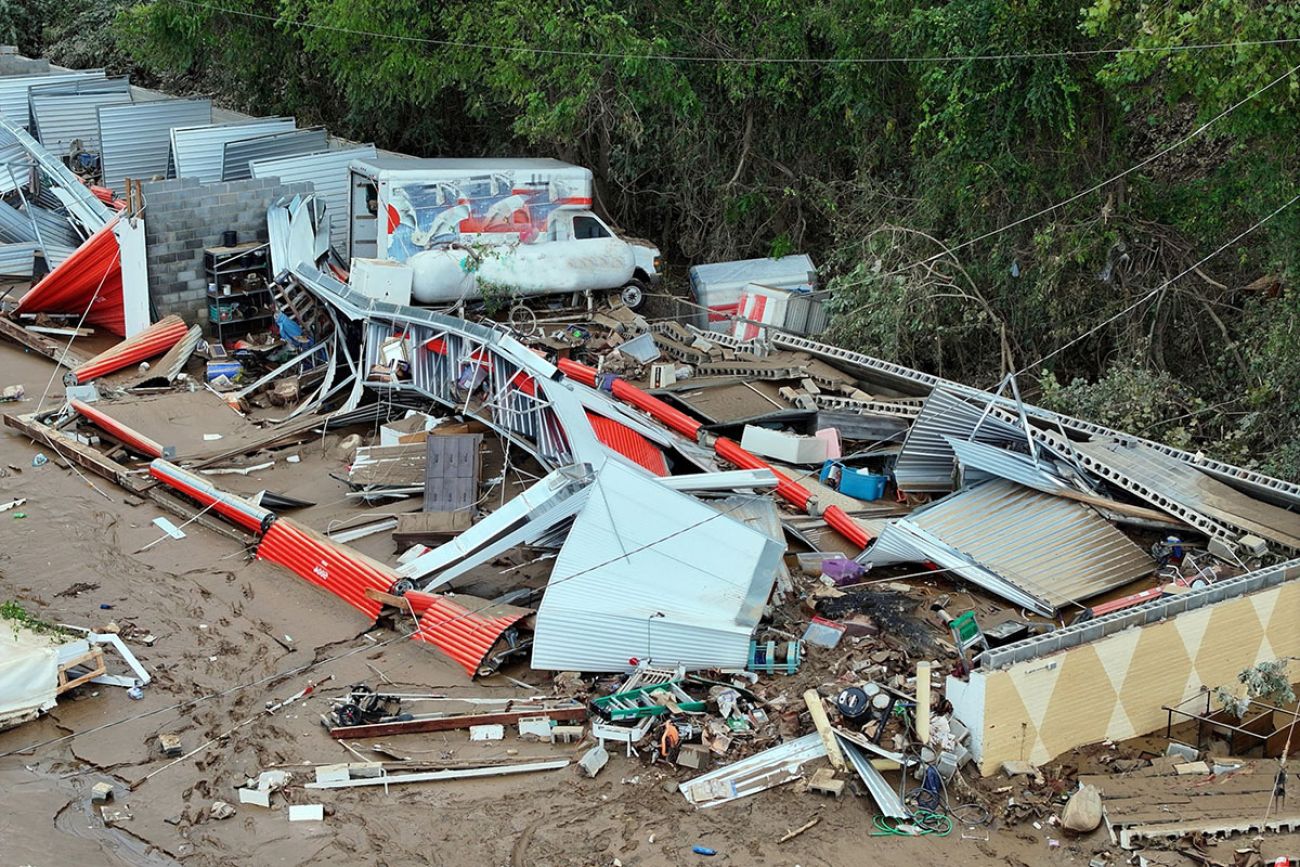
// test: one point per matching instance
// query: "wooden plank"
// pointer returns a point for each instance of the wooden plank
(94, 658)
(823, 724)
(75, 452)
(61, 353)
(571, 713)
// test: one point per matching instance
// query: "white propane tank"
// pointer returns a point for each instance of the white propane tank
(445, 276)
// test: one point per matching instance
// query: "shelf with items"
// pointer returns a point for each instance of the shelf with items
(239, 292)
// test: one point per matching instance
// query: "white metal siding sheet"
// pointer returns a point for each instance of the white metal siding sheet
(1057, 549)
(238, 154)
(13, 91)
(62, 119)
(647, 569)
(11, 151)
(1196, 491)
(16, 259)
(328, 171)
(925, 462)
(135, 140)
(15, 225)
(199, 150)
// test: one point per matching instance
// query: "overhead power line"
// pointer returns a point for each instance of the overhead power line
(949, 250)
(743, 60)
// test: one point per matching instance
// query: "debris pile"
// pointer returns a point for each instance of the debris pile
(734, 555)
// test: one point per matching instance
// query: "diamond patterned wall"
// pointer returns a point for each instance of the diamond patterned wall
(1116, 687)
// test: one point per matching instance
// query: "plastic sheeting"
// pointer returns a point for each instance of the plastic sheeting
(29, 676)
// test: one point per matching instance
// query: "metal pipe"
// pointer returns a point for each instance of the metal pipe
(729, 450)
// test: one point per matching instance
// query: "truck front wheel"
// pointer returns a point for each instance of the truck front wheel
(633, 294)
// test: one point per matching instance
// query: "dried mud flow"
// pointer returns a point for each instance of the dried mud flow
(231, 635)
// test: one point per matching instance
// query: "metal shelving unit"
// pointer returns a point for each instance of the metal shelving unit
(239, 294)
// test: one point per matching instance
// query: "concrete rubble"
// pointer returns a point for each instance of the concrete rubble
(733, 557)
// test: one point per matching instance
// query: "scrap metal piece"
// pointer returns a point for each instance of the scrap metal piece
(926, 461)
(1036, 550)
(772, 767)
(650, 574)
(887, 800)
(527, 517)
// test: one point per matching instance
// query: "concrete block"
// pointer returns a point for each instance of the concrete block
(101, 792)
(693, 756)
(789, 448)
(593, 760)
(257, 797)
(337, 773)
(306, 812)
(566, 734)
(487, 733)
(823, 782)
(535, 728)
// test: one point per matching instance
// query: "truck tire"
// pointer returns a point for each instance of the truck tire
(633, 294)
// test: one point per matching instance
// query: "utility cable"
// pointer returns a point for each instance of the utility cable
(950, 250)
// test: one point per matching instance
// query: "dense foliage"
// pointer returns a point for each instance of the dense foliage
(701, 138)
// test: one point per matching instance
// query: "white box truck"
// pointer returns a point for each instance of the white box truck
(469, 228)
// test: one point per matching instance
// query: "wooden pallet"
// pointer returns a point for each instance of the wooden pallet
(92, 664)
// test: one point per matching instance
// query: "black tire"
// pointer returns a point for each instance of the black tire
(633, 294)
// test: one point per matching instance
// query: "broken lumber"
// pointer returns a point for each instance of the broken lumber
(572, 713)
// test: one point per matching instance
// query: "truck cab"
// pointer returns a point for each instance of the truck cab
(579, 224)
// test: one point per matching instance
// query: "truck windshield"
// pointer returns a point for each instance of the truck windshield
(588, 227)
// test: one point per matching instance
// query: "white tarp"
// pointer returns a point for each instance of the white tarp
(29, 675)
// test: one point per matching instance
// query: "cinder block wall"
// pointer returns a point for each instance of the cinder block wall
(183, 216)
(1117, 687)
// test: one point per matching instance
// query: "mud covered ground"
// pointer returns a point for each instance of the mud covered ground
(231, 634)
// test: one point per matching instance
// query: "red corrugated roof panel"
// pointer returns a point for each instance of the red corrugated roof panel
(325, 563)
(89, 279)
(629, 443)
(102, 420)
(154, 340)
(464, 627)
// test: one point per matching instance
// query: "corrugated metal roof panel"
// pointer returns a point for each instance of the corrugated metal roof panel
(1194, 490)
(463, 627)
(16, 259)
(13, 91)
(198, 150)
(237, 509)
(328, 172)
(120, 84)
(135, 139)
(15, 225)
(925, 462)
(62, 119)
(980, 462)
(53, 225)
(340, 570)
(238, 154)
(629, 444)
(650, 574)
(1057, 550)
(14, 164)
